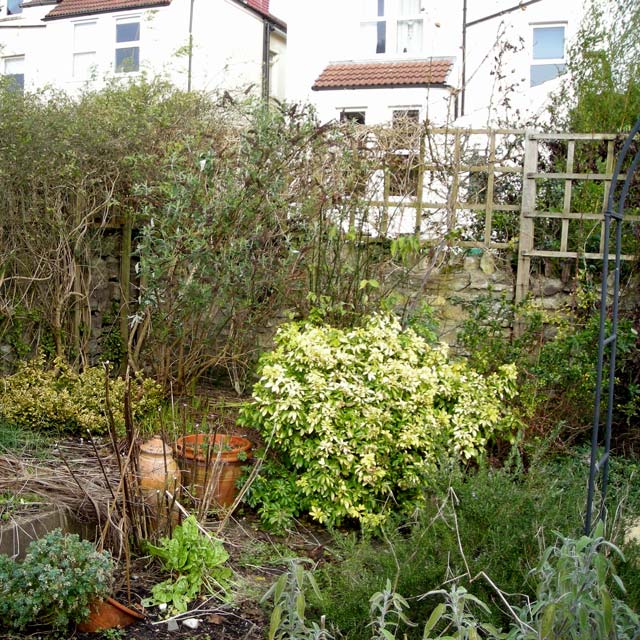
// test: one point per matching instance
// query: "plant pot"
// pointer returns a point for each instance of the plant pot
(212, 463)
(158, 472)
(108, 614)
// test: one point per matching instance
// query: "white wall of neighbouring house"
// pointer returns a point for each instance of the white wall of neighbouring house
(513, 60)
(21, 39)
(80, 52)
(317, 37)
(435, 104)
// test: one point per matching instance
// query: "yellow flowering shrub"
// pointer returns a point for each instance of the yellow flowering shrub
(59, 398)
(361, 417)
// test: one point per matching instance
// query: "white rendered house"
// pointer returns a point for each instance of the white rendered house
(197, 44)
(477, 62)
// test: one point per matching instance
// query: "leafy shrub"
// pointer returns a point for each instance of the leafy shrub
(361, 417)
(504, 518)
(195, 562)
(557, 375)
(58, 398)
(55, 584)
(574, 596)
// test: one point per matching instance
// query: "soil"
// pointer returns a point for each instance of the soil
(231, 624)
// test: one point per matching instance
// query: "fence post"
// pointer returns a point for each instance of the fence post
(527, 207)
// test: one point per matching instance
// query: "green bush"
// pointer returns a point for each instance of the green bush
(503, 519)
(361, 417)
(55, 584)
(556, 375)
(57, 398)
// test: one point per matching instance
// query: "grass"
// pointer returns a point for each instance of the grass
(22, 441)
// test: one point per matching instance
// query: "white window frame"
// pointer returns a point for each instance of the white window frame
(4, 11)
(392, 18)
(130, 44)
(8, 59)
(343, 113)
(538, 62)
(83, 51)
(402, 109)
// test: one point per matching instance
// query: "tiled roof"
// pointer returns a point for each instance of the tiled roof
(68, 8)
(260, 5)
(401, 73)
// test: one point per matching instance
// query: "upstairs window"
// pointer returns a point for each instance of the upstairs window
(14, 70)
(14, 7)
(409, 27)
(391, 26)
(373, 29)
(548, 53)
(127, 46)
(84, 52)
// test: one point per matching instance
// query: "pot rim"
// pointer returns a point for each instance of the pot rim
(237, 444)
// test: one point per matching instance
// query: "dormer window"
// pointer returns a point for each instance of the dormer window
(391, 26)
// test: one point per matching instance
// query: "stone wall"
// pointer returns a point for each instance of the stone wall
(476, 276)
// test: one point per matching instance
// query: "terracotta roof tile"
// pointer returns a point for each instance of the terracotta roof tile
(359, 75)
(68, 8)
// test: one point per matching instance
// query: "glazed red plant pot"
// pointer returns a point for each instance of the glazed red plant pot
(213, 460)
(108, 614)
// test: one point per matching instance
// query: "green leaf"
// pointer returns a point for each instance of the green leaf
(548, 618)
(274, 624)
(433, 620)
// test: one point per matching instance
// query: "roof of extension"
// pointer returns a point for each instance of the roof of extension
(69, 8)
(400, 73)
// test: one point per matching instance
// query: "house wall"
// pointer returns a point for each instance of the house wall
(378, 104)
(332, 35)
(227, 46)
(487, 90)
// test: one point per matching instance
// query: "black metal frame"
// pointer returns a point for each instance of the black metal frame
(614, 211)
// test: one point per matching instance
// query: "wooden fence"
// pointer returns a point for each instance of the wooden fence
(465, 179)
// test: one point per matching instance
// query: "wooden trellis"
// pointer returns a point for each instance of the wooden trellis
(527, 248)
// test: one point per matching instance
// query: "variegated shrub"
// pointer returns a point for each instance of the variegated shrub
(361, 418)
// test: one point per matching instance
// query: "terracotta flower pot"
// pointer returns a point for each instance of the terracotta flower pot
(108, 614)
(212, 461)
(158, 472)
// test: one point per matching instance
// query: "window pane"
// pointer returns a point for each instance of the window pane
(84, 36)
(548, 42)
(127, 59)
(352, 116)
(16, 81)
(83, 65)
(381, 42)
(409, 7)
(402, 116)
(543, 72)
(128, 32)
(13, 6)
(13, 66)
(409, 36)
(372, 8)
